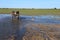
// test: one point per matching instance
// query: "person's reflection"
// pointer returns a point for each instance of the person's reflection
(15, 28)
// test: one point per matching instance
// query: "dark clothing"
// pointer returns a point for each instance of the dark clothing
(17, 12)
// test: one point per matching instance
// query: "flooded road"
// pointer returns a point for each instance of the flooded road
(44, 25)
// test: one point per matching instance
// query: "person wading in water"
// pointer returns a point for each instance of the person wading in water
(15, 14)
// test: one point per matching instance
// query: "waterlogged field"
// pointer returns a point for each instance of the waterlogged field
(44, 27)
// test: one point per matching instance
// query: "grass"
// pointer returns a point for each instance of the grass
(33, 11)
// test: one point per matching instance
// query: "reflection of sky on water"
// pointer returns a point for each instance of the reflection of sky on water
(9, 27)
(37, 19)
(44, 19)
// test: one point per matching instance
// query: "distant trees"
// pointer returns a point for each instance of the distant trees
(55, 8)
(4, 8)
(32, 8)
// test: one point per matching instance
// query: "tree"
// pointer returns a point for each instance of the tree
(55, 8)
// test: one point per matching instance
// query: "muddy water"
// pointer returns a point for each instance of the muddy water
(17, 28)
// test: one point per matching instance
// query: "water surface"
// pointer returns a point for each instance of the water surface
(17, 27)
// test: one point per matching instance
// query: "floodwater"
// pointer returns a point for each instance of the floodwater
(17, 28)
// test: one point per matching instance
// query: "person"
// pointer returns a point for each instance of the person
(13, 14)
(17, 14)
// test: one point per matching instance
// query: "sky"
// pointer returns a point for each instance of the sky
(29, 3)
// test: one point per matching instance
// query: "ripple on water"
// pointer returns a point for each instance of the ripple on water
(37, 19)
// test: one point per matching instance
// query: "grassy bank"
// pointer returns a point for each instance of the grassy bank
(33, 11)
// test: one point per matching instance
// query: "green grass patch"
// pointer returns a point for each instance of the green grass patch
(32, 11)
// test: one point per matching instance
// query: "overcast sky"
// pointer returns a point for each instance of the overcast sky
(29, 3)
